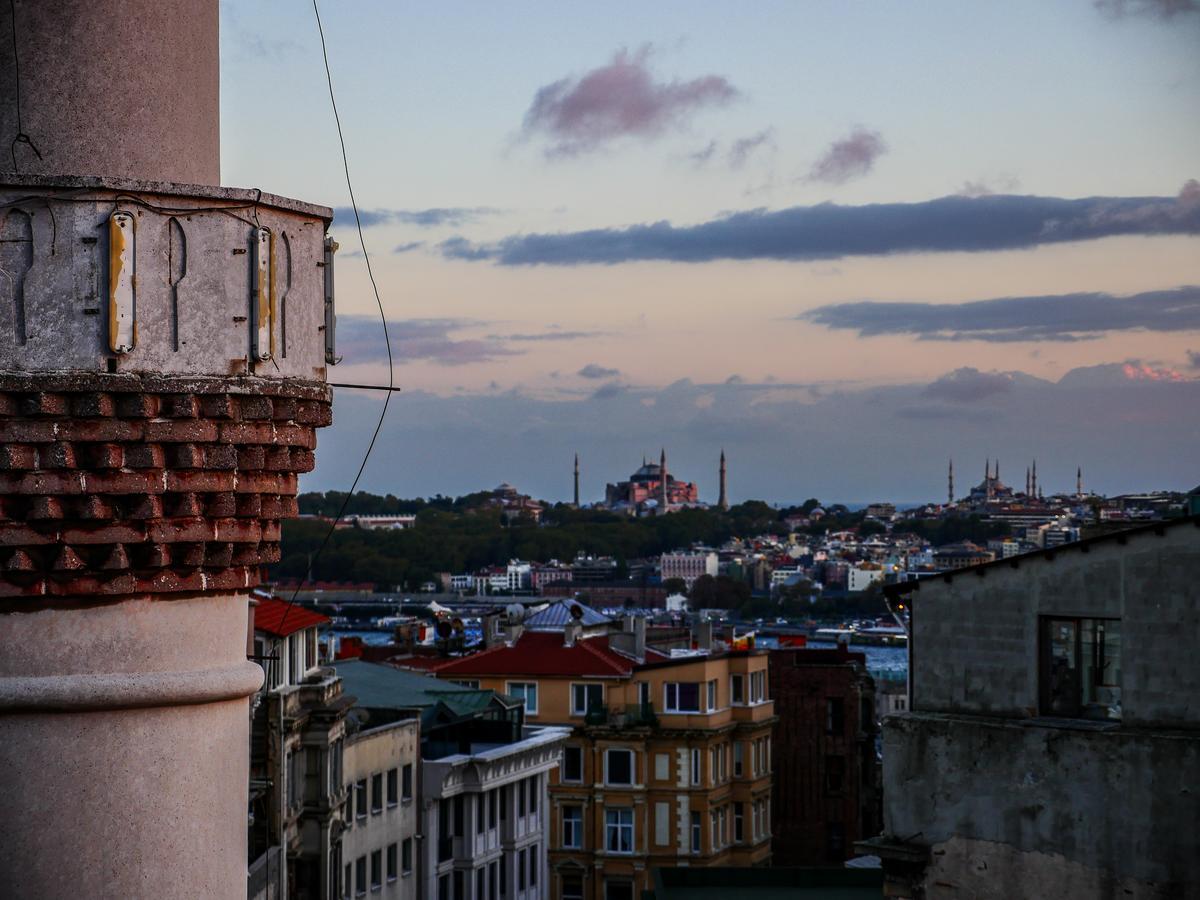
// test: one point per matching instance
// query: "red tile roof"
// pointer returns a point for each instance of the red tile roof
(273, 616)
(543, 653)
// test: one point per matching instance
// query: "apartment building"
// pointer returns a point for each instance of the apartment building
(379, 844)
(689, 566)
(298, 729)
(669, 756)
(477, 797)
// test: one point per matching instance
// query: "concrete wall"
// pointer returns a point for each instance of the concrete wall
(975, 639)
(124, 88)
(1010, 809)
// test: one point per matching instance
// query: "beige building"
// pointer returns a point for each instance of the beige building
(379, 845)
(669, 758)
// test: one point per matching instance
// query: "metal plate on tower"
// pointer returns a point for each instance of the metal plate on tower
(122, 283)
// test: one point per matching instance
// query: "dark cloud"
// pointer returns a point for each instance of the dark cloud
(851, 157)
(621, 99)
(1193, 359)
(1062, 317)
(969, 385)
(742, 149)
(830, 231)
(424, 218)
(704, 154)
(1157, 9)
(608, 391)
(360, 340)
(593, 370)
(409, 247)
(549, 336)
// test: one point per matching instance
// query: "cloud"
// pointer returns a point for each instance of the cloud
(618, 100)
(851, 157)
(743, 148)
(985, 187)
(1158, 9)
(360, 340)
(549, 336)
(831, 231)
(1055, 317)
(704, 154)
(592, 370)
(410, 246)
(454, 216)
(1193, 359)
(608, 391)
(969, 385)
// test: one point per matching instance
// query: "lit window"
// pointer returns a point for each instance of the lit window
(1080, 672)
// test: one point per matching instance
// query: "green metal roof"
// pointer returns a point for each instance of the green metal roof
(385, 687)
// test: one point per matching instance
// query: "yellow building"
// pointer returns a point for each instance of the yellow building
(669, 762)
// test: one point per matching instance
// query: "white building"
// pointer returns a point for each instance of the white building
(400, 522)
(689, 566)
(859, 578)
(379, 845)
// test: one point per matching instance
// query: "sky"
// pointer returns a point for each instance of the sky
(845, 242)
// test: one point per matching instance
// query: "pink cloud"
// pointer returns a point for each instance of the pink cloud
(851, 157)
(621, 99)
(1144, 372)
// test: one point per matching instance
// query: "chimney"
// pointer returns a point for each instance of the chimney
(153, 424)
(491, 630)
(704, 635)
(571, 633)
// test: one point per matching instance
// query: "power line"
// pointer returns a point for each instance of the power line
(382, 317)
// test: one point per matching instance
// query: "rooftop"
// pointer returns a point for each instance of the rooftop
(544, 653)
(281, 618)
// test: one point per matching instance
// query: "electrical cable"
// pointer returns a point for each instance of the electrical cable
(383, 320)
(22, 137)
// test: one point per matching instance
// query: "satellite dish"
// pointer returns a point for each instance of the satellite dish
(444, 629)
(576, 611)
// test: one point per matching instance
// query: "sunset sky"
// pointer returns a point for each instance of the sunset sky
(844, 241)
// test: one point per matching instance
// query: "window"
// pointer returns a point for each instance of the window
(391, 862)
(737, 689)
(572, 763)
(618, 890)
(1079, 675)
(458, 816)
(695, 765)
(714, 765)
(377, 794)
(572, 824)
(835, 716)
(739, 824)
(533, 794)
(348, 887)
(458, 884)
(572, 887)
(492, 878)
(406, 787)
(586, 698)
(465, 682)
(835, 774)
(739, 759)
(681, 697)
(504, 875)
(696, 831)
(758, 686)
(618, 767)
(360, 799)
(533, 865)
(715, 829)
(526, 691)
(479, 882)
(662, 823)
(360, 876)
(520, 870)
(662, 766)
(520, 786)
(393, 787)
(376, 870)
(618, 830)
(444, 888)
(492, 794)
(406, 856)
(835, 839)
(295, 784)
(504, 803)
(480, 813)
(644, 695)
(712, 694)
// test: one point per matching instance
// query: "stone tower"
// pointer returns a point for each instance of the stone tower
(577, 481)
(950, 485)
(163, 352)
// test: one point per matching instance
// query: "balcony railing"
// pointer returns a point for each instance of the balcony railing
(634, 715)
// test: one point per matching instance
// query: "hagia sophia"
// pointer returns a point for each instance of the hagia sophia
(653, 490)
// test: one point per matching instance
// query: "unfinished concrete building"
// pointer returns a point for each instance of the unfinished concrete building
(1052, 748)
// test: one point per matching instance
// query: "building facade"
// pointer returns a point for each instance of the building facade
(669, 757)
(688, 566)
(1052, 746)
(826, 777)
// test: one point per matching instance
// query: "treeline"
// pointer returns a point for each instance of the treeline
(463, 535)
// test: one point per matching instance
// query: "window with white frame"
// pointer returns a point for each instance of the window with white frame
(527, 691)
(712, 695)
(758, 686)
(618, 766)
(696, 831)
(695, 765)
(586, 697)
(681, 697)
(739, 823)
(618, 830)
(572, 822)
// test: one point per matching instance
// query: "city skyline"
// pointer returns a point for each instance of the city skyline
(607, 212)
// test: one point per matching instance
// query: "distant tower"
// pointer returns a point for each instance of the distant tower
(723, 501)
(576, 480)
(1079, 482)
(1033, 479)
(1027, 481)
(950, 485)
(662, 486)
(987, 477)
